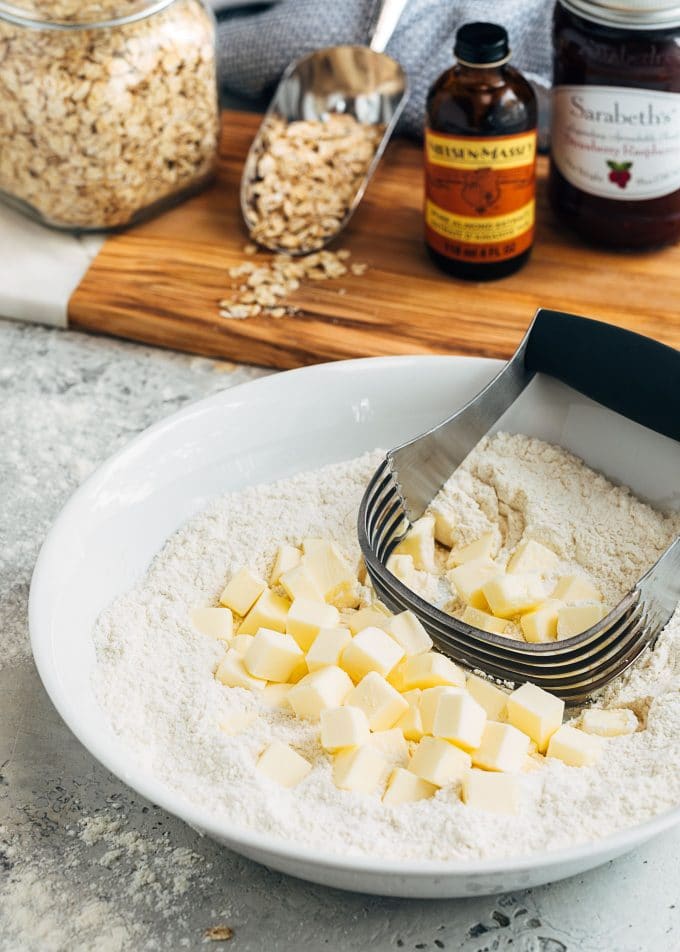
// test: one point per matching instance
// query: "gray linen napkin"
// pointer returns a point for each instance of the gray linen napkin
(256, 47)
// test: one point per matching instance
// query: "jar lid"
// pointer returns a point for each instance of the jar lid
(78, 13)
(634, 14)
(481, 44)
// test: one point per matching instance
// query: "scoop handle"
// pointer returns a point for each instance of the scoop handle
(626, 372)
(388, 17)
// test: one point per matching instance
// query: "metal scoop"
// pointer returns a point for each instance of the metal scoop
(361, 81)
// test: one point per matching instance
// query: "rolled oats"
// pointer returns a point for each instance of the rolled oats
(99, 124)
(305, 177)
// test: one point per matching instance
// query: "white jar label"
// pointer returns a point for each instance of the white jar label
(617, 142)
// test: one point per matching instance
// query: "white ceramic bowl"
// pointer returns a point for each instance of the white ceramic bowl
(114, 524)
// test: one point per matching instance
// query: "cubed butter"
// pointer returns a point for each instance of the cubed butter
(491, 792)
(419, 544)
(330, 571)
(272, 655)
(408, 632)
(572, 589)
(469, 579)
(573, 619)
(298, 583)
(214, 622)
(380, 702)
(431, 670)
(283, 765)
(444, 524)
(503, 748)
(485, 547)
(460, 719)
(327, 687)
(489, 695)
(391, 745)
(574, 747)
(536, 713)
(360, 769)
(403, 568)
(232, 672)
(269, 611)
(510, 595)
(532, 557)
(611, 722)
(371, 650)
(439, 762)
(411, 722)
(287, 557)
(275, 696)
(429, 699)
(327, 647)
(343, 727)
(242, 591)
(306, 618)
(540, 625)
(376, 616)
(403, 786)
(241, 643)
(483, 621)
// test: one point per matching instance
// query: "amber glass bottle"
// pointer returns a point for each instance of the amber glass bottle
(480, 160)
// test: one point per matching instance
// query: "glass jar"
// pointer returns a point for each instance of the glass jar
(108, 109)
(615, 150)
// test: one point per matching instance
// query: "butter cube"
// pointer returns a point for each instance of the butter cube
(343, 727)
(331, 573)
(214, 622)
(483, 621)
(269, 611)
(536, 713)
(327, 687)
(510, 595)
(306, 618)
(503, 747)
(574, 747)
(404, 787)
(283, 765)
(573, 619)
(403, 568)
(371, 650)
(287, 557)
(470, 578)
(532, 557)
(359, 769)
(396, 676)
(275, 696)
(411, 722)
(237, 721)
(460, 719)
(572, 589)
(391, 745)
(492, 792)
(430, 670)
(408, 632)
(489, 695)
(298, 583)
(419, 544)
(380, 702)
(540, 625)
(232, 672)
(327, 647)
(241, 643)
(376, 616)
(439, 762)
(612, 722)
(485, 547)
(242, 591)
(444, 524)
(272, 656)
(429, 699)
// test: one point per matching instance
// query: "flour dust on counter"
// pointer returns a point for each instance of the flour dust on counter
(155, 672)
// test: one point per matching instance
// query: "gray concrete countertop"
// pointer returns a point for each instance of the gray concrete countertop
(85, 864)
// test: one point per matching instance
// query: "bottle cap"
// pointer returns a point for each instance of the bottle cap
(481, 44)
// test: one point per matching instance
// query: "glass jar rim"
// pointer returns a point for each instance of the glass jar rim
(101, 15)
(628, 14)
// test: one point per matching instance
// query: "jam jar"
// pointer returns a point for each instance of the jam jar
(615, 144)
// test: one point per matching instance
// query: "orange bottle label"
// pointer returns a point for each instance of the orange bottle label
(480, 195)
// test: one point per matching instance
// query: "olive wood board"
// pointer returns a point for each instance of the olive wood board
(161, 281)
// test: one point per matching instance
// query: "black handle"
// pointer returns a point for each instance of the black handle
(631, 374)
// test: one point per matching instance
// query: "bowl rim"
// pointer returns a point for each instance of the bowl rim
(242, 837)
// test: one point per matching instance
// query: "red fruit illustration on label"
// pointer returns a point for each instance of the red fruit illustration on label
(619, 173)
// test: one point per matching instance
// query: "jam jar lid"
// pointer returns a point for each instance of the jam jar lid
(630, 14)
(67, 14)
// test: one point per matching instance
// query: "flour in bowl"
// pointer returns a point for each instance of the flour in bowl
(155, 673)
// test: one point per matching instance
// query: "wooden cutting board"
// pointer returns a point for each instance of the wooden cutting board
(160, 282)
